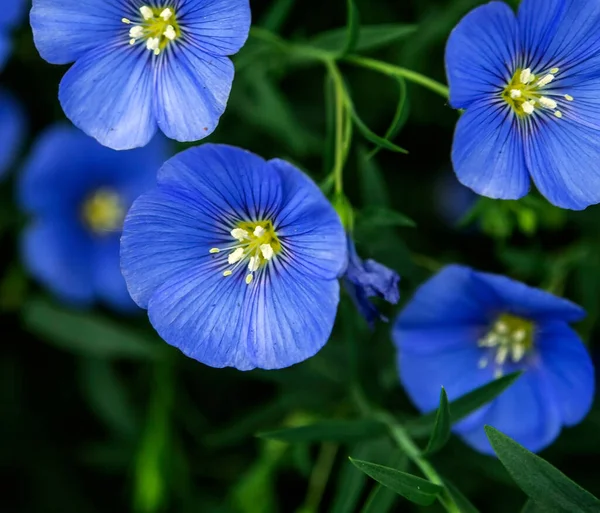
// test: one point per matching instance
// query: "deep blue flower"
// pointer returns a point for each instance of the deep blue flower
(140, 64)
(452, 199)
(235, 258)
(464, 328)
(12, 130)
(78, 192)
(12, 10)
(368, 279)
(530, 85)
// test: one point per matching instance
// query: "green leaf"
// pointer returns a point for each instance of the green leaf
(329, 431)
(464, 505)
(441, 429)
(543, 483)
(352, 28)
(86, 334)
(373, 137)
(370, 37)
(413, 488)
(377, 217)
(277, 14)
(464, 405)
(532, 507)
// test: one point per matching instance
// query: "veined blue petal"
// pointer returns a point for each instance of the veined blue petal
(309, 226)
(487, 152)
(108, 94)
(453, 297)
(526, 412)
(12, 130)
(64, 30)
(562, 156)
(524, 301)
(219, 27)
(481, 53)
(569, 369)
(192, 91)
(58, 253)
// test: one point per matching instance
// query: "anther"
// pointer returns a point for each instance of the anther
(501, 355)
(136, 32)
(267, 251)
(153, 44)
(528, 108)
(166, 14)
(548, 103)
(498, 373)
(554, 71)
(146, 12)
(544, 81)
(254, 264)
(170, 33)
(515, 93)
(558, 114)
(249, 279)
(236, 256)
(259, 231)
(568, 97)
(518, 351)
(239, 234)
(227, 273)
(526, 76)
(126, 21)
(214, 250)
(483, 363)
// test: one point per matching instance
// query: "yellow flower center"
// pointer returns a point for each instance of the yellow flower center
(256, 243)
(510, 339)
(103, 212)
(527, 92)
(157, 27)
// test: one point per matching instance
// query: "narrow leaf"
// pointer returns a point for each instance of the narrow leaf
(352, 28)
(441, 429)
(543, 483)
(464, 505)
(370, 37)
(463, 406)
(532, 507)
(373, 137)
(377, 217)
(413, 488)
(329, 431)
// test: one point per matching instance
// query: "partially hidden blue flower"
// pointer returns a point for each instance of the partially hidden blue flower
(236, 258)
(530, 87)
(77, 193)
(452, 199)
(12, 130)
(142, 64)
(12, 11)
(464, 328)
(367, 279)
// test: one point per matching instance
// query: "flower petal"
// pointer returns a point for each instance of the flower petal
(12, 12)
(569, 368)
(108, 92)
(562, 156)
(487, 152)
(526, 412)
(12, 130)
(220, 27)
(58, 254)
(5, 49)
(192, 92)
(309, 227)
(481, 53)
(64, 30)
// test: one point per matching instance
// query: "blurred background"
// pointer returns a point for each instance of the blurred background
(99, 415)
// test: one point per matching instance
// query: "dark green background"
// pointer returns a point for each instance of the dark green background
(99, 415)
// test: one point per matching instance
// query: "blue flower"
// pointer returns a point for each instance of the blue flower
(12, 10)
(530, 85)
(78, 192)
(452, 199)
(12, 130)
(235, 258)
(465, 328)
(364, 280)
(140, 64)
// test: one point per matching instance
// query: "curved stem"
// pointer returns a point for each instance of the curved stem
(397, 71)
(340, 132)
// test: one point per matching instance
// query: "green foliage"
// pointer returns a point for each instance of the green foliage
(341, 431)
(441, 429)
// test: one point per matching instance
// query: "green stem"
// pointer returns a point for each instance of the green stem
(397, 71)
(320, 476)
(340, 132)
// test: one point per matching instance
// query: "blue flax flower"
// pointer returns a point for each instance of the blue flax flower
(465, 328)
(368, 279)
(530, 85)
(235, 258)
(12, 10)
(78, 192)
(12, 130)
(142, 64)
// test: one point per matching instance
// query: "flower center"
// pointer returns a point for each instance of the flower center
(257, 243)
(509, 340)
(527, 93)
(156, 26)
(103, 212)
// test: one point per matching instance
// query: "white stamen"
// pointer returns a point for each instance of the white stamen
(568, 97)
(267, 251)
(126, 21)
(515, 93)
(227, 273)
(146, 12)
(528, 108)
(544, 81)
(236, 256)
(259, 231)
(548, 103)
(501, 328)
(249, 279)
(501, 355)
(518, 351)
(554, 71)
(483, 363)
(166, 14)
(153, 44)
(239, 234)
(170, 33)
(254, 264)
(526, 76)
(558, 114)
(136, 32)
(214, 250)
(519, 335)
(498, 373)
(132, 41)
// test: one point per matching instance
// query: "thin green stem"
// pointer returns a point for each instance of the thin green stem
(320, 476)
(397, 71)
(340, 132)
